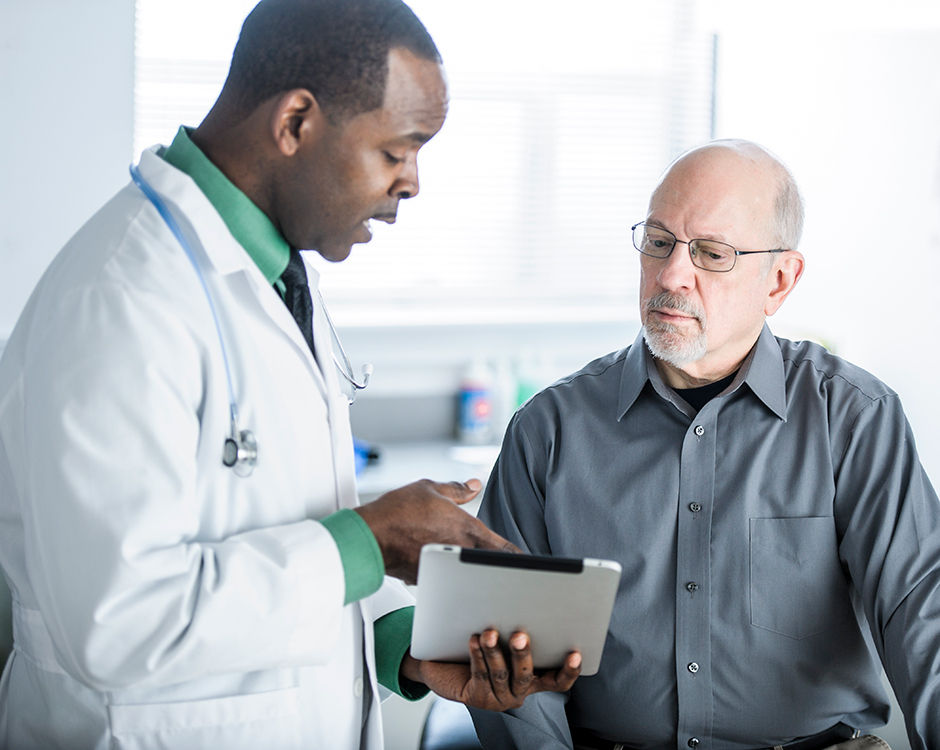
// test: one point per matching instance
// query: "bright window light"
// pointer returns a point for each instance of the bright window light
(562, 118)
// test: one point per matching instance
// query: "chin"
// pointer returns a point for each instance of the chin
(672, 347)
(335, 253)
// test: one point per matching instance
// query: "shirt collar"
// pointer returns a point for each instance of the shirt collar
(635, 374)
(762, 371)
(249, 225)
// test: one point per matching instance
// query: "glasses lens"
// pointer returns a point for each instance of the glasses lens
(711, 255)
(653, 241)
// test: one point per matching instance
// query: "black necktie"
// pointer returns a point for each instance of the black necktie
(297, 295)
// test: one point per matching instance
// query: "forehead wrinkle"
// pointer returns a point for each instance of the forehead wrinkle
(695, 235)
(717, 193)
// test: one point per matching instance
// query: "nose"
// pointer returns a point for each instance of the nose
(406, 183)
(677, 271)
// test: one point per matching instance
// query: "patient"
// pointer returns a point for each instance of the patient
(764, 497)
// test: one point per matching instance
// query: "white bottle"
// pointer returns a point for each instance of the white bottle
(475, 405)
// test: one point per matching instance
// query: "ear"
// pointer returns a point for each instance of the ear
(295, 119)
(784, 275)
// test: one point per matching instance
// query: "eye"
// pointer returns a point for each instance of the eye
(715, 251)
(392, 159)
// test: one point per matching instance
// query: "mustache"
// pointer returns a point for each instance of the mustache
(675, 302)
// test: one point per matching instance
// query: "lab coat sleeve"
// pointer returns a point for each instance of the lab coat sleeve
(130, 586)
(889, 525)
(513, 506)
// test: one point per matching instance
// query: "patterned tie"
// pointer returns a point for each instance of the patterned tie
(297, 295)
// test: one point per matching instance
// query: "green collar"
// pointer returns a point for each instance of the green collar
(248, 224)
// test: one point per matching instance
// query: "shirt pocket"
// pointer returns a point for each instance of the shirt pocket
(796, 582)
(241, 722)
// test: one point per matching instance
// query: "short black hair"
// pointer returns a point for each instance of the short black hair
(336, 49)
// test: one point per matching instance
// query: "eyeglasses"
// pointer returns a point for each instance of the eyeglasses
(709, 255)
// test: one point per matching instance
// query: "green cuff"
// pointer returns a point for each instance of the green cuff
(392, 640)
(359, 552)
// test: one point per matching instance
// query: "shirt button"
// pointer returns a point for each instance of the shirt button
(699, 430)
(691, 586)
(693, 667)
(357, 687)
(693, 742)
(695, 507)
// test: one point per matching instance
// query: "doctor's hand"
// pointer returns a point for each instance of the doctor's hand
(426, 512)
(488, 681)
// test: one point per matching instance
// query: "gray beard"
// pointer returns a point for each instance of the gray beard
(666, 342)
(668, 345)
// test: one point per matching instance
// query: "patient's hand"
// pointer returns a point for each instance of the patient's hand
(488, 682)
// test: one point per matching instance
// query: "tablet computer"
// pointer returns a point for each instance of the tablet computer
(564, 604)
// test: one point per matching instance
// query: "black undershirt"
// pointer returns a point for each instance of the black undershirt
(698, 397)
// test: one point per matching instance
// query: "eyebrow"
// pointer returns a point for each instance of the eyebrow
(417, 137)
(712, 238)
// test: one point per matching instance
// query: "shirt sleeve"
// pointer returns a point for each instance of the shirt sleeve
(513, 506)
(889, 523)
(392, 640)
(359, 552)
(514, 502)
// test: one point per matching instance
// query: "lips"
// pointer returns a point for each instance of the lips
(363, 231)
(673, 315)
(675, 309)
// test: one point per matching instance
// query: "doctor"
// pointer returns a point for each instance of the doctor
(179, 522)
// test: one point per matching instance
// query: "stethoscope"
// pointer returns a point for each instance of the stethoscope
(240, 450)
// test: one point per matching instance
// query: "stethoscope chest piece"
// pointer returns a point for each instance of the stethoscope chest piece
(240, 452)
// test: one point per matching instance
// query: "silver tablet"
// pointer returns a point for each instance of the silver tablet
(564, 604)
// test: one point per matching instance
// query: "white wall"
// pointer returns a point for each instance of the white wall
(856, 115)
(67, 87)
(66, 83)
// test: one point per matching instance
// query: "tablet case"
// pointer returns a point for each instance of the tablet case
(563, 604)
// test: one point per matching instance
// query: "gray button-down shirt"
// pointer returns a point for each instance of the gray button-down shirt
(756, 536)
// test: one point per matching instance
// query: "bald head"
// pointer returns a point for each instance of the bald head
(743, 166)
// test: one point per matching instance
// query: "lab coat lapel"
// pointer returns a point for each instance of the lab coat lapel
(340, 431)
(220, 252)
(274, 308)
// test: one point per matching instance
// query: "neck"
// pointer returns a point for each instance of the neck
(232, 144)
(702, 372)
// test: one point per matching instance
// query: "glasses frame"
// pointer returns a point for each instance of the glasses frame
(692, 256)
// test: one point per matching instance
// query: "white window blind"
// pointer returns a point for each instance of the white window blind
(562, 118)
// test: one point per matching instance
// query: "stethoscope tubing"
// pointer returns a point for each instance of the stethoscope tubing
(240, 447)
(174, 227)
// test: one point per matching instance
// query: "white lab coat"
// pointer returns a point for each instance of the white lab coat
(160, 601)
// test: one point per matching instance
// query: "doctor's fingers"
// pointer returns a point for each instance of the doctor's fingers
(460, 492)
(523, 671)
(480, 536)
(560, 680)
(488, 668)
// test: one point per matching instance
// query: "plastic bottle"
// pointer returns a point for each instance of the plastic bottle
(475, 405)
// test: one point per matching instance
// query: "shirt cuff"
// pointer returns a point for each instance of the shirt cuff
(358, 551)
(392, 640)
